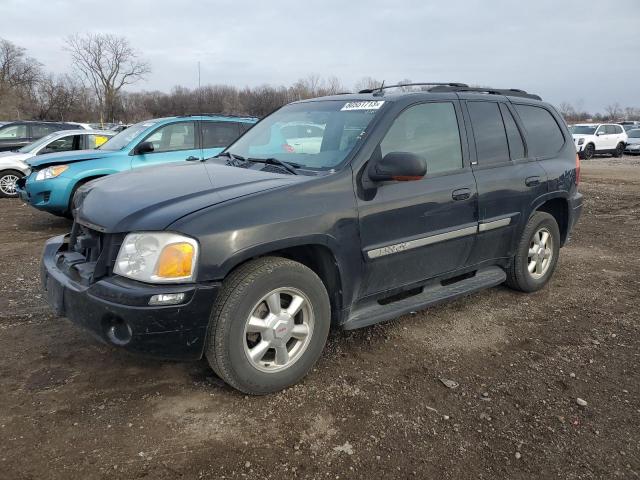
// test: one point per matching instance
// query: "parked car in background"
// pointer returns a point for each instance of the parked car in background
(16, 135)
(54, 178)
(597, 138)
(249, 258)
(13, 165)
(633, 142)
(630, 125)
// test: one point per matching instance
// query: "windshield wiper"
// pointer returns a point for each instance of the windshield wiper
(288, 166)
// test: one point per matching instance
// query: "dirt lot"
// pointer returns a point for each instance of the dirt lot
(374, 407)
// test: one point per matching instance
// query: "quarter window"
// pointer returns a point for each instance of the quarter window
(489, 133)
(173, 137)
(429, 130)
(219, 134)
(544, 137)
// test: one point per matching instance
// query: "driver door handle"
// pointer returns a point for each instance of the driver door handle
(191, 159)
(461, 194)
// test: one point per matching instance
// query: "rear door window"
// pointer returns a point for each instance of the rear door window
(40, 130)
(219, 134)
(544, 136)
(489, 133)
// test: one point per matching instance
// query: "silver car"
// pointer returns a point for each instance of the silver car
(13, 165)
(633, 142)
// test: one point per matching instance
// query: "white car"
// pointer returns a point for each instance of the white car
(13, 165)
(595, 138)
(633, 142)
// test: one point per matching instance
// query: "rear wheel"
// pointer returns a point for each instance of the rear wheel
(619, 150)
(268, 326)
(537, 254)
(8, 179)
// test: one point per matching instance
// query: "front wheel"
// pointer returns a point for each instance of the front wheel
(589, 151)
(537, 254)
(8, 180)
(268, 326)
(619, 150)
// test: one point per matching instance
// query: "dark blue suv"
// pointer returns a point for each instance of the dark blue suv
(346, 210)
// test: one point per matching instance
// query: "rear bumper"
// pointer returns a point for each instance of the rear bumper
(116, 310)
(575, 210)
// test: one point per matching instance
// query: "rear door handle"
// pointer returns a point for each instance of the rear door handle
(532, 181)
(191, 159)
(461, 194)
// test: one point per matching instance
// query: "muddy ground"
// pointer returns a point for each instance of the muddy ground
(374, 406)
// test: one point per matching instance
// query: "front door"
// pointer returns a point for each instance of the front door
(173, 142)
(412, 231)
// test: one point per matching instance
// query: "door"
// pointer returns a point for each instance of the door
(604, 138)
(216, 136)
(412, 231)
(173, 142)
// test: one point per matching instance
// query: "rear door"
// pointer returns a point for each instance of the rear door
(216, 136)
(172, 142)
(507, 175)
(412, 231)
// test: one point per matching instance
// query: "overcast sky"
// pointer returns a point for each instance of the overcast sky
(586, 52)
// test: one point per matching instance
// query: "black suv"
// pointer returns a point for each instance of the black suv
(346, 210)
(16, 135)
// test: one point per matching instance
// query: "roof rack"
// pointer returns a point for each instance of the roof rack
(380, 90)
(455, 87)
(207, 114)
(511, 92)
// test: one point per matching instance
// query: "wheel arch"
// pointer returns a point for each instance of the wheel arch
(558, 207)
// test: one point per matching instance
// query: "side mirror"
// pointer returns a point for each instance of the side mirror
(398, 166)
(144, 147)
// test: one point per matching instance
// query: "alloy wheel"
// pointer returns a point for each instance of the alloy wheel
(8, 184)
(540, 253)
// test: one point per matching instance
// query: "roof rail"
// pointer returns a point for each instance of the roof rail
(380, 90)
(216, 115)
(511, 92)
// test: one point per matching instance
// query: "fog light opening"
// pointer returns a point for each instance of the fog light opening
(166, 299)
(119, 332)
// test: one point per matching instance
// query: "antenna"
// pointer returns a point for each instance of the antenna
(200, 113)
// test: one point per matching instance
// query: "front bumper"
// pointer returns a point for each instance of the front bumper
(632, 148)
(51, 195)
(115, 310)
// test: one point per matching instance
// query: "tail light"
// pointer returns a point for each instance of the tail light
(577, 169)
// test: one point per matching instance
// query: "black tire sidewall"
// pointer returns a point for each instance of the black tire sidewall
(619, 151)
(230, 338)
(10, 172)
(538, 220)
(589, 152)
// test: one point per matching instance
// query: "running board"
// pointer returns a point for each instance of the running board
(431, 295)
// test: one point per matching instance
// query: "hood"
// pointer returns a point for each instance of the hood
(633, 140)
(14, 157)
(68, 157)
(152, 198)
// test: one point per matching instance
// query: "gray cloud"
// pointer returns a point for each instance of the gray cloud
(581, 51)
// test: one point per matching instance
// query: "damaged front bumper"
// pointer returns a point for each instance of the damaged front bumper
(116, 310)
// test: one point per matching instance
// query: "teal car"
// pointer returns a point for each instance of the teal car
(54, 178)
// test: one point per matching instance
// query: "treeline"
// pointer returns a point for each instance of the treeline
(93, 93)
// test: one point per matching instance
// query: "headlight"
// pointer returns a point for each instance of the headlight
(51, 172)
(157, 257)
(581, 141)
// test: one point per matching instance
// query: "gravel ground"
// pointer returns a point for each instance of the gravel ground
(375, 406)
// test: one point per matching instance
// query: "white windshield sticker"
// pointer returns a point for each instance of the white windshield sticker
(374, 105)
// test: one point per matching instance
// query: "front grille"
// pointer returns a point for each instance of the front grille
(90, 255)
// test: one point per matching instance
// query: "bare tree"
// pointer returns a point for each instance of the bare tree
(367, 83)
(613, 111)
(108, 63)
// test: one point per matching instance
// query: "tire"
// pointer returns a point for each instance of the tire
(617, 153)
(589, 151)
(519, 276)
(7, 183)
(231, 337)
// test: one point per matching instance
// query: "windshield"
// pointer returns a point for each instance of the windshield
(122, 139)
(32, 147)
(315, 135)
(583, 129)
(633, 134)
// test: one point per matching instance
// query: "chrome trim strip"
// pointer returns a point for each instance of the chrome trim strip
(421, 242)
(503, 222)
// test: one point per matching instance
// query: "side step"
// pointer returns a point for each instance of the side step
(430, 295)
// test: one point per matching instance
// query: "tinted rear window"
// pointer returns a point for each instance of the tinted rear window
(219, 134)
(489, 133)
(544, 136)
